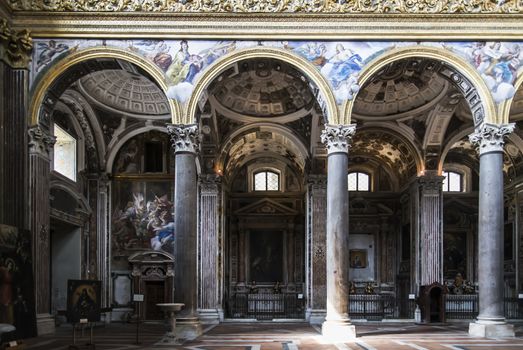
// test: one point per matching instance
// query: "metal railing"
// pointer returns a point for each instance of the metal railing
(266, 306)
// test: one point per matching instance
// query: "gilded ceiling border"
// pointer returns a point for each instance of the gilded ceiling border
(273, 26)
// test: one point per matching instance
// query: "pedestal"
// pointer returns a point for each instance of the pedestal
(491, 330)
(338, 331)
(45, 324)
(171, 337)
(188, 329)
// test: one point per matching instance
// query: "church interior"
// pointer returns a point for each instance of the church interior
(178, 167)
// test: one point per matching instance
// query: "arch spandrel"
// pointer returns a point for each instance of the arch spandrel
(325, 96)
(505, 107)
(470, 79)
(60, 66)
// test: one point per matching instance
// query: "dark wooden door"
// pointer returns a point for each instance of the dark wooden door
(154, 294)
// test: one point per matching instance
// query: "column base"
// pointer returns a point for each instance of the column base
(491, 330)
(315, 316)
(188, 328)
(209, 316)
(338, 331)
(45, 324)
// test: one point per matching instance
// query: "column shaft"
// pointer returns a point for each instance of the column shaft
(185, 190)
(490, 237)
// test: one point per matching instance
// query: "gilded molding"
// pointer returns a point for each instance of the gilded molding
(15, 46)
(40, 142)
(184, 138)
(338, 138)
(491, 137)
(272, 6)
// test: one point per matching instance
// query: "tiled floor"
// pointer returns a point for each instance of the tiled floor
(286, 336)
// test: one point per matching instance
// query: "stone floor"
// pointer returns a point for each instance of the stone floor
(286, 336)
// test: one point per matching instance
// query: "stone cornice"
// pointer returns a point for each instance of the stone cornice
(265, 26)
(15, 46)
(271, 6)
(491, 137)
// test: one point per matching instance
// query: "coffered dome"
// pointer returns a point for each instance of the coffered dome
(262, 88)
(122, 91)
(402, 86)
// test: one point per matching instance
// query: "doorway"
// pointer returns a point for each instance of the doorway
(154, 294)
(65, 260)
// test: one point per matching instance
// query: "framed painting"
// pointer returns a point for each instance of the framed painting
(83, 301)
(358, 258)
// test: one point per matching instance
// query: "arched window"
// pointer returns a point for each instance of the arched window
(453, 181)
(64, 156)
(266, 181)
(359, 181)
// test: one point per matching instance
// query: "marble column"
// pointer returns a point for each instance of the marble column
(40, 145)
(209, 237)
(489, 139)
(430, 250)
(316, 245)
(337, 326)
(185, 141)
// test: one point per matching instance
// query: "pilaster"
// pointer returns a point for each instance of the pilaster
(210, 246)
(316, 245)
(489, 139)
(40, 145)
(430, 229)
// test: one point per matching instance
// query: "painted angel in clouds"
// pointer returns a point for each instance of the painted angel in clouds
(48, 51)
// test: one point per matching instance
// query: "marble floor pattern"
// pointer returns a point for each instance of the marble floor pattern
(285, 336)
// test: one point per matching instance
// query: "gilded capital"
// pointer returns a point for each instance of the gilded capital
(491, 137)
(184, 138)
(338, 138)
(15, 47)
(40, 142)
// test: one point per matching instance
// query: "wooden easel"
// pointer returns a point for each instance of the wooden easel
(90, 344)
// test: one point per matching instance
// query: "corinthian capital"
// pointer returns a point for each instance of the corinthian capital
(15, 47)
(490, 137)
(338, 138)
(40, 142)
(184, 138)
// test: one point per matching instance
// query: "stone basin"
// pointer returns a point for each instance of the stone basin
(170, 310)
(171, 307)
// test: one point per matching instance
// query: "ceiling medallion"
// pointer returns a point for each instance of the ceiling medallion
(289, 6)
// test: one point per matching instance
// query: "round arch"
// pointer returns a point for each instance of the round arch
(505, 106)
(59, 67)
(485, 111)
(325, 97)
(278, 128)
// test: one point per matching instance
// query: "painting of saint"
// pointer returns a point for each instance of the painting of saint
(83, 301)
(266, 256)
(17, 305)
(358, 258)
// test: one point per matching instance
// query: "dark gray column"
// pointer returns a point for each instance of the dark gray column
(210, 264)
(337, 325)
(316, 284)
(491, 320)
(185, 141)
(40, 145)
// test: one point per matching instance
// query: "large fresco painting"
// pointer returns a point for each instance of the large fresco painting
(17, 299)
(142, 217)
(183, 61)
